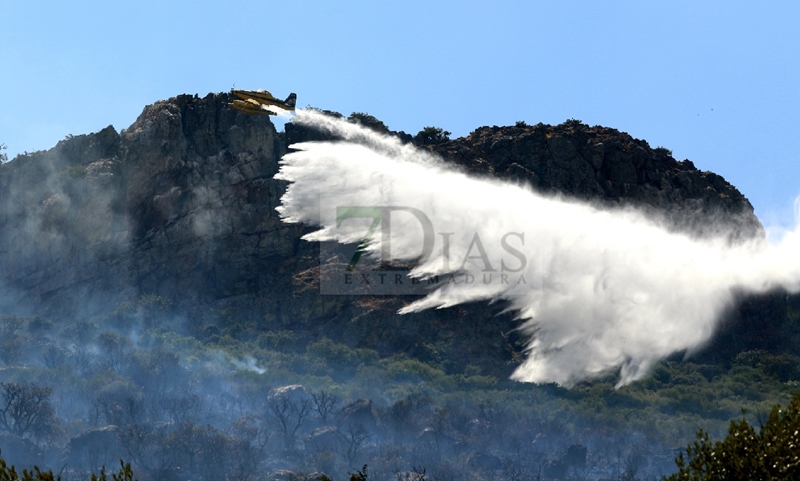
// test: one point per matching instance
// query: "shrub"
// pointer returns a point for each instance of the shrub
(368, 121)
(431, 136)
(663, 151)
(279, 340)
(75, 172)
(783, 366)
(771, 453)
(572, 123)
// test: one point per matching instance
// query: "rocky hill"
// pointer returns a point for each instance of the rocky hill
(609, 167)
(181, 205)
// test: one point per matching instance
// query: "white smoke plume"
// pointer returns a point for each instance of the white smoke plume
(597, 291)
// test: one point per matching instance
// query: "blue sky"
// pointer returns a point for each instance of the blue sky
(717, 82)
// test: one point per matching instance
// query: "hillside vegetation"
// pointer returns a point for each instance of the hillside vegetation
(243, 403)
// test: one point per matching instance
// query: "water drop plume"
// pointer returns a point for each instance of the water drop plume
(596, 291)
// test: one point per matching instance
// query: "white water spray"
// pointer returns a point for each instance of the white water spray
(595, 290)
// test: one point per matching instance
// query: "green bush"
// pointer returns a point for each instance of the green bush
(783, 366)
(572, 123)
(413, 371)
(280, 340)
(74, 172)
(431, 136)
(368, 121)
(332, 352)
(663, 151)
(769, 453)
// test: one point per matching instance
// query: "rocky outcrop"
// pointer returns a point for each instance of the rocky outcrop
(62, 230)
(357, 413)
(181, 205)
(95, 446)
(610, 168)
(201, 201)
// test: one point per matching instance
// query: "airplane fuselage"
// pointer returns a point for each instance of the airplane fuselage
(262, 97)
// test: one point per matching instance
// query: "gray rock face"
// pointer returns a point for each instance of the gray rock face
(326, 438)
(95, 446)
(182, 205)
(61, 229)
(201, 201)
(609, 168)
(359, 412)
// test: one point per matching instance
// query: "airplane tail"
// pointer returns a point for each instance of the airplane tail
(291, 100)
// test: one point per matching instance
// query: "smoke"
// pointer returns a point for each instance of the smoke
(596, 291)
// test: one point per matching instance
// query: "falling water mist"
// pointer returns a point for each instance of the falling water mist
(596, 290)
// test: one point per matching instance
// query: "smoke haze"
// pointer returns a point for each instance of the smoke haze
(595, 290)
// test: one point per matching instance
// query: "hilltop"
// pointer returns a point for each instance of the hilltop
(181, 205)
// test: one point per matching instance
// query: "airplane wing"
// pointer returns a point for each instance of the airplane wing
(250, 106)
(261, 96)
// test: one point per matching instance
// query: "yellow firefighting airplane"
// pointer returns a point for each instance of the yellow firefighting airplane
(254, 101)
